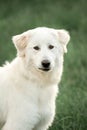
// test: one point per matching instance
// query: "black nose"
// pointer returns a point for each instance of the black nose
(45, 63)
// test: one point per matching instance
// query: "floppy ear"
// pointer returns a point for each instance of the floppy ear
(64, 38)
(20, 42)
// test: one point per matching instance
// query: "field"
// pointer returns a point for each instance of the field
(17, 16)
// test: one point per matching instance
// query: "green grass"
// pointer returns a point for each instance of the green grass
(18, 16)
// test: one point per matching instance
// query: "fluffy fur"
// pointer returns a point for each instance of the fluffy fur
(27, 88)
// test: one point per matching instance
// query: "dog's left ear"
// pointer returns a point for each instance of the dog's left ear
(64, 38)
(20, 42)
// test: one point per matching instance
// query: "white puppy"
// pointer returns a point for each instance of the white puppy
(28, 85)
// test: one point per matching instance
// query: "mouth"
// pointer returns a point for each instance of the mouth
(45, 69)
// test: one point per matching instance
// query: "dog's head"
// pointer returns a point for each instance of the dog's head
(42, 48)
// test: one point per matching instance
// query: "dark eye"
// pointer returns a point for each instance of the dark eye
(51, 46)
(36, 48)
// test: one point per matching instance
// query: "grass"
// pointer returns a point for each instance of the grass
(18, 16)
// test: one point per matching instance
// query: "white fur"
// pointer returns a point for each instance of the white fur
(27, 94)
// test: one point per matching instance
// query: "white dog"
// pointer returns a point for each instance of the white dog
(28, 85)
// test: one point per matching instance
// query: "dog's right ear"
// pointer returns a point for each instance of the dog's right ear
(20, 41)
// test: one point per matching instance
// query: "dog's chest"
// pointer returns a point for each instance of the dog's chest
(40, 101)
(46, 103)
(43, 99)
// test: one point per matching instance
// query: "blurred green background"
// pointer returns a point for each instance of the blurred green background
(17, 16)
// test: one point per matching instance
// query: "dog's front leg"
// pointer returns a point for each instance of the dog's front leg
(18, 125)
(21, 122)
(45, 122)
